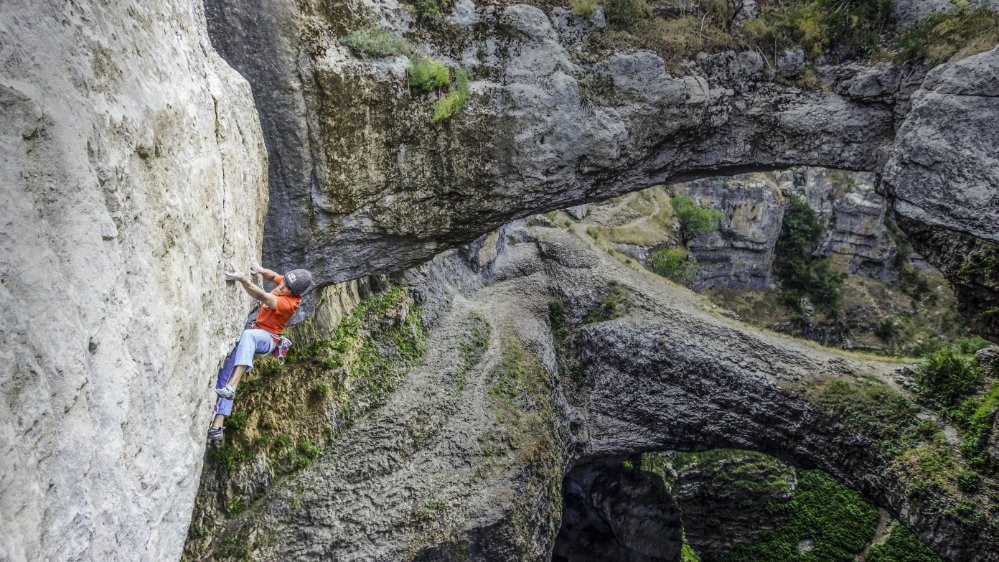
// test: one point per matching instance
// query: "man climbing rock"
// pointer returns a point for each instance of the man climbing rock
(276, 309)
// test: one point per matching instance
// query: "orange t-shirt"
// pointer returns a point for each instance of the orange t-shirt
(274, 320)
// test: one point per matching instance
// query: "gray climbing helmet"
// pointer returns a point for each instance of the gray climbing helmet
(298, 281)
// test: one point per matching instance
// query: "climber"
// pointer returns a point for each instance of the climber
(277, 307)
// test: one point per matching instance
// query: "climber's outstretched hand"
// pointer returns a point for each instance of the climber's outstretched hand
(232, 273)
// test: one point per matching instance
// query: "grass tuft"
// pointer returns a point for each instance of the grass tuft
(374, 43)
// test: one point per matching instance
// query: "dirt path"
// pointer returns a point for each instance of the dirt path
(885, 525)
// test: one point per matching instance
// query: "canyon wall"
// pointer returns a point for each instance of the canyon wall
(133, 171)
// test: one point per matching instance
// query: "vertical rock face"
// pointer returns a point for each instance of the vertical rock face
(740, 255)
(132, 168)
(855, 236)
(944, 186)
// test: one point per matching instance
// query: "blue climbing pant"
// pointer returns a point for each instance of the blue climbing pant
(251, 343)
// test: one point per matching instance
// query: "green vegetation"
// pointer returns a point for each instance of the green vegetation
(374, 43)
(745, 471)
(946, 376)
(454, 101)
(236, 506)
(911, 280)
(230, 456)
(615, 304)
(558, 321)
(939, 37)
(839, 29)
(800, 273)
(321, 390)
(687, 553)
(362, 361)
(872, 408)
(583, 8)
(431, 10)
(901, 546)
(837, 519)
(307, 449)
(428, 75)
(674, 264)
(975, 418)
(236, 422)
(624, 13)
(694, 220)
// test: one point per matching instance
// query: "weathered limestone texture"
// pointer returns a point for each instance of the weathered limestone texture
(943, 176)
(132, 170)
(741, 253)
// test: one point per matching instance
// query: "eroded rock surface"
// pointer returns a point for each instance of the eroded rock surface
(132, 170)
(542, 130)
(359, 173)
(946, 187)
(659, 374)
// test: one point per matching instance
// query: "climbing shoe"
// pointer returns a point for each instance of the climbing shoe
(228, 392)
(215, 434)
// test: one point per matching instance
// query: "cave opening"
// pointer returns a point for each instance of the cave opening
(720, 505)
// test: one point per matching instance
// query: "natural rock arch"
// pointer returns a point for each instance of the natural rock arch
(361, 181)
(668, 375)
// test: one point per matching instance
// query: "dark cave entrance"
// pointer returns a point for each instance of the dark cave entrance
(614, 511)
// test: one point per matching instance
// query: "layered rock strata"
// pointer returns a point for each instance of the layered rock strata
(133, 170)
(740, 255)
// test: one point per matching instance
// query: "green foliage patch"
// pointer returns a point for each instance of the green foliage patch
(801, 274)
(946, 376)
(583, 8)
(838, 28)
(674, 264)
(693, 220)
(836, 519)
(321, 390)
(941, 36)
(901, 546)
(428, 75)
(429, 11)
(975, 418)
(374, 43)
(872, 408)
(230, 456)
(615, 304)
(454, 101)
(624, 13)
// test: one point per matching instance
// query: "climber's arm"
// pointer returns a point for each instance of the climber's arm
(254, 291)
(268, 274)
